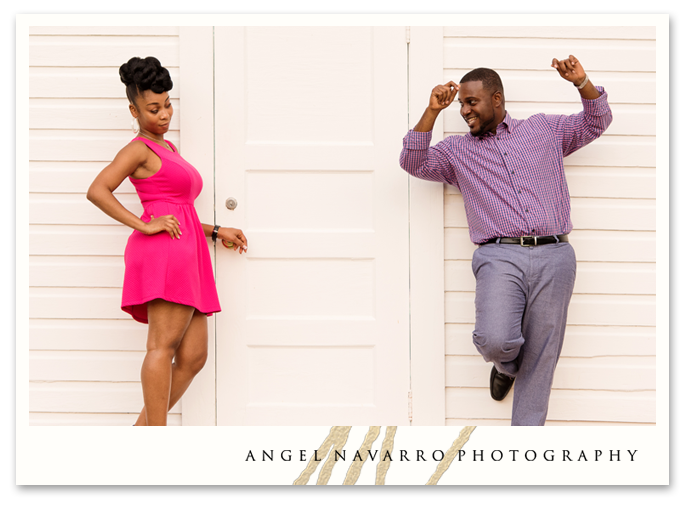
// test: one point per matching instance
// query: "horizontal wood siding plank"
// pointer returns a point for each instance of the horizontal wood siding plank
(96, 335)
(553, 32)
(592, 277)
(100, 31)
(92, 419)
(589, 245)
(83, 82)
(620, 182)
(82, 271)
(580, 341)
(81, 145)
(480, 422)
(78, 113)
(587, 213)
(578, 405)
(536, 87)
(87, 397)
(74, 209)
(85, 365)
(69, 177)
(104, 51)
(77, 239)
(628, 119)
(589, 309)
(536, 54)
(599, 373)
(76, 303)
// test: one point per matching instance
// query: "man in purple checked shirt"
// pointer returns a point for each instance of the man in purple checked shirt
(510, 173)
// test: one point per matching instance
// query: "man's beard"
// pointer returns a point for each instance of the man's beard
(482, 130)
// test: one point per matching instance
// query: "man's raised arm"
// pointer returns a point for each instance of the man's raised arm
(417, 157)
(580, 129)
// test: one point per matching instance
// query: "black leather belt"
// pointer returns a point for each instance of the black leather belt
(528, 240)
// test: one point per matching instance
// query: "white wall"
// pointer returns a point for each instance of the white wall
(85, 353)
(607, 371)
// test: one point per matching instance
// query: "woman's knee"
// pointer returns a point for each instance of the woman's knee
(192, 362)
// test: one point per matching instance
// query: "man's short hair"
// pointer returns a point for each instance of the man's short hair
(490, 79)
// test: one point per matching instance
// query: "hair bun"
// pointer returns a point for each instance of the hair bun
(145, 74)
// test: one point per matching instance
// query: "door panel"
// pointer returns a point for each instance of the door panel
(314, 328)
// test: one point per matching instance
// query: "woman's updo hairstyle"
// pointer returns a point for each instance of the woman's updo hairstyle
(141, 74)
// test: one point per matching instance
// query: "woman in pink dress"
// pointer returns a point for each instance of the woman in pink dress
(169, 282)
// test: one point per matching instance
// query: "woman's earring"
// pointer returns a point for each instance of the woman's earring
(135, 125)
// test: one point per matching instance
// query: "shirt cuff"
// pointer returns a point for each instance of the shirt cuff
(417, 140)
(597, 106)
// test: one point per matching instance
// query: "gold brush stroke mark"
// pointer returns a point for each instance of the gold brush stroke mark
(459, 442)
(340, 438)
(354, 471)
(335, 434)
(387, 446)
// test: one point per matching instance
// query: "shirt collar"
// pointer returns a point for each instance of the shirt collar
(508, 123)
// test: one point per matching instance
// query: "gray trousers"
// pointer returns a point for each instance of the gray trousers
(522, 295)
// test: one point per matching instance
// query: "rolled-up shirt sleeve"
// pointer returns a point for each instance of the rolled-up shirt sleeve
(578, 130)
(425, 162)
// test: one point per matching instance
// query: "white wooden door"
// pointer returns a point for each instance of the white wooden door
(315, 322)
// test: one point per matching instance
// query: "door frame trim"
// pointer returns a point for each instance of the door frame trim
(426, 211)
(196, 111)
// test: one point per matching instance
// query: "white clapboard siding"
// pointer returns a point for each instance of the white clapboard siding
(580, 340)
(94, 419)
(87, 397)
(532, 54)
(85, 352)
(565, 405)
(73, 114)
(83, 83)
(81, 145)
(593, 277)
(87, 334)
(68, 177)
(84, 271)
(598, 373)
(590, 245)
(606, 374)
(626, 88)
(587, 213)
(553, 33)
(100, 31)
(77, 239)
(104, 51)
(628, 119)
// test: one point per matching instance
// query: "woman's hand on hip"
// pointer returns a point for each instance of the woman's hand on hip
(233, 238)
(168, 223)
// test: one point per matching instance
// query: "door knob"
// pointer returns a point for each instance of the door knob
(231, 203)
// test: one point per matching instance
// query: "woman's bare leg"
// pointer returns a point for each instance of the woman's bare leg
(190, 357)
(168, 323)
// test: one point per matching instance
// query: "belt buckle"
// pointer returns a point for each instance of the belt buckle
(521, 240)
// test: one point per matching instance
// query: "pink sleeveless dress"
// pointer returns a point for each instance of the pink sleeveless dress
(156, 266)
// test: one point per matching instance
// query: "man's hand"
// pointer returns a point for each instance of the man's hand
(570, 70)
(442, 95)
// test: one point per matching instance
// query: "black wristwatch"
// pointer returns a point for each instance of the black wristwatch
(215, 232)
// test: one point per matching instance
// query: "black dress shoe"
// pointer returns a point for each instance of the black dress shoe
(500, 384)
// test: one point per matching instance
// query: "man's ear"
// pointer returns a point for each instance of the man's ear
(497, 99)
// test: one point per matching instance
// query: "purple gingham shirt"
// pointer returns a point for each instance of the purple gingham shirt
(513, 183)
